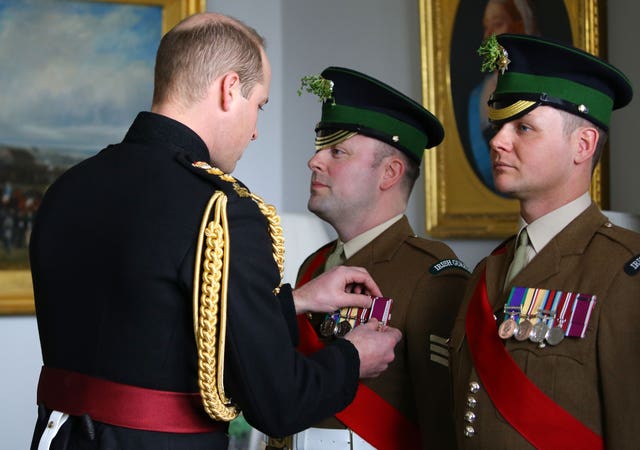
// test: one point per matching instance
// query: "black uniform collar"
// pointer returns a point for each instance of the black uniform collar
(154, 127)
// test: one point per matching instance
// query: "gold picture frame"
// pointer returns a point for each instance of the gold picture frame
(173, 11)
(16, 291)
(458, 203)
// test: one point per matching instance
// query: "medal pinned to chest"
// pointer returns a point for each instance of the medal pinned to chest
(545, 316)
(339, 323)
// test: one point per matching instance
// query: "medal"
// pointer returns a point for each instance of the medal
(507, 328)
(327, 327)
(510, 325)
(540, 329)
(343, 328)
(525, 326)
(562, 304)
(555, 336)
(538, 332)
(531, 302)
(524, 330)
(511, 311)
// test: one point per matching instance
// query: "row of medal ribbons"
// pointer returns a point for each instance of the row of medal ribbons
(545, 316)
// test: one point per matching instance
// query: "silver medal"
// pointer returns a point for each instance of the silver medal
(555, 336)
(538, 332)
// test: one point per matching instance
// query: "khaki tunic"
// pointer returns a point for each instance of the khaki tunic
(593, 378)
(425, 304)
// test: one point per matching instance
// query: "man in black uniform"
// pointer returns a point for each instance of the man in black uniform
(151, 240)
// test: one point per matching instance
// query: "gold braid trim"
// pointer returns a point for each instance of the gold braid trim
(210, 296)
(213, 293)
(275, 231)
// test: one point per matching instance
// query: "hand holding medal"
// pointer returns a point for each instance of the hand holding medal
(340, 322)
(337, 288)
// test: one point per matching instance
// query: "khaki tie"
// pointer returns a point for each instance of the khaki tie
(520, 257)
(336, 258)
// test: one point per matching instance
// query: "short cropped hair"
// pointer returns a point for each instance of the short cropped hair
(191, 56)
(412, 167)
(571, 122)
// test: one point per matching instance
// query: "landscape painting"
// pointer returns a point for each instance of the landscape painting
(74, 75)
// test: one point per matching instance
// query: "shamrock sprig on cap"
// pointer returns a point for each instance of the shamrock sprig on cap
(318, 85)
(494, 56)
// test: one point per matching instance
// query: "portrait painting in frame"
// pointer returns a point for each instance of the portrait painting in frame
(75, 74)
(461, 201)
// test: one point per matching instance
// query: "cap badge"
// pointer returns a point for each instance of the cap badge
(494, 56)
(318, 85)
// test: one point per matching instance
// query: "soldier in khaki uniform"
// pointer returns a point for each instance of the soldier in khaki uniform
(545, 348)
(369, 145)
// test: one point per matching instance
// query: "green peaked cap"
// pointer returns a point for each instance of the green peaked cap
(357, 103)
(534, 71)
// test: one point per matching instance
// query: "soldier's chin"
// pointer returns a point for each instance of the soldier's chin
(503, 188)
(316, 209)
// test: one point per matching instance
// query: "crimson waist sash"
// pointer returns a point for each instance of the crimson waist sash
(123, 405)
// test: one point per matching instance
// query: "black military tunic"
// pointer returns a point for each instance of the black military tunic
(112, 257)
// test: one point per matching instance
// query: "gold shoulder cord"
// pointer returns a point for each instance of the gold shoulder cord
(210, 296)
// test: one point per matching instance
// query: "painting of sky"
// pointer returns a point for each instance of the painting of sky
(74, 73)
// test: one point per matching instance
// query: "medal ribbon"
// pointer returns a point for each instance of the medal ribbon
(548, 307)
(514, 303)
(552, 307)
(554, 429)
(539, 301)
(527, 305)
(582, 307)
(369, 415)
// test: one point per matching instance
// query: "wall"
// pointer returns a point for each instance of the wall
(624, 156)
(262, 166)
(20, 361)
(380, 37)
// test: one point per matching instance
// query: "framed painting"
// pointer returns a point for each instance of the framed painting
(63, 101)
(461, 201)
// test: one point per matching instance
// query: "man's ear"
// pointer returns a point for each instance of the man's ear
(230, 89)
(393, 172)
(587, 140)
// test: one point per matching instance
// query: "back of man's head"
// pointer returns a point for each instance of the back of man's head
(200, 49)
